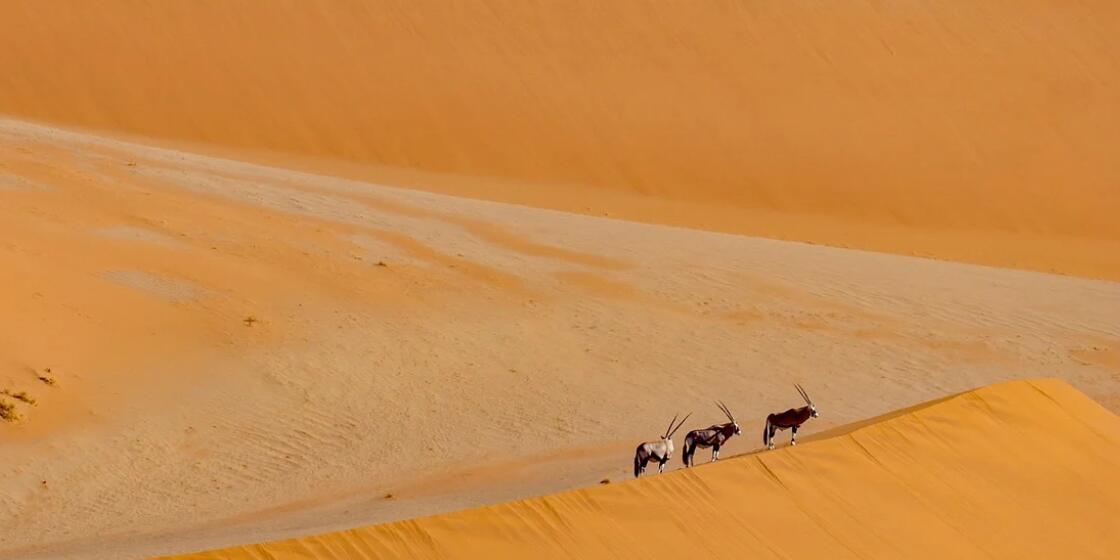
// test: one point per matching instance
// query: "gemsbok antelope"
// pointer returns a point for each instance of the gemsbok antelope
(791, 419)
(660, 451)
(713, 436)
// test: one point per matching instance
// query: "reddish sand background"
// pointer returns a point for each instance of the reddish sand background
(984, 132)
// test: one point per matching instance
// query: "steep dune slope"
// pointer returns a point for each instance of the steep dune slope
(983, 132)
(1028, 469)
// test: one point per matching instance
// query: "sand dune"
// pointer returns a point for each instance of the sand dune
(976, 132)
(1029, 469)
(265, 341)
(244, 353)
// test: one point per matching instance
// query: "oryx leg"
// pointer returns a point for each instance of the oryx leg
(661, 466)
(715, 452)
(640, 463)
(793, 438)
(770, 437)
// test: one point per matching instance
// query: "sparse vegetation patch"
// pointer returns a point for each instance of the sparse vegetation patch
(47, 378)
(8, 411)
(20, 396)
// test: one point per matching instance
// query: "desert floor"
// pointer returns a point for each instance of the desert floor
(244, 353)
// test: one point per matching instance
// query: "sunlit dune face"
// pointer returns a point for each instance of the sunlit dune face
(958, 130)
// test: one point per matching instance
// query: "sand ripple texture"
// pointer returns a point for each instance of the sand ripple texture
(1026, 469)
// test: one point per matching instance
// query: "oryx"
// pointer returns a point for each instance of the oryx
(789, 420)
(713, 436)
(660, 451)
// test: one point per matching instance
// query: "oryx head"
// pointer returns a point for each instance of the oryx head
(730, 417)
(808, 401)
(674, 426)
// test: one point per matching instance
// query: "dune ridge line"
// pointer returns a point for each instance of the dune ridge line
(1023, 469)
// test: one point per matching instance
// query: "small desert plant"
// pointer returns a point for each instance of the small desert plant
(250, 321)
(8, 411)
(21, 396)
(47, 378)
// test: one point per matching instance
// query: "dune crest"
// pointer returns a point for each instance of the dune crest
(1026, 469)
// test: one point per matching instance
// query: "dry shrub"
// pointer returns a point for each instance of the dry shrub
(8, 411)
(20, 396)
(47, 378)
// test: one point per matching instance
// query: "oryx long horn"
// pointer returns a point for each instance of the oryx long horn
(721, 409)
(804, 395)
(726, 411)
(669, 430)
(674, 430)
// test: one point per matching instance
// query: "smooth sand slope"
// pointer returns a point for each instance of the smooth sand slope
(1028, 469)
(975, 131)
(243, 353)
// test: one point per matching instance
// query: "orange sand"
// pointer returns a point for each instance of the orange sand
(246, 352)
(1029, 469)
(977, 132)
(549, 342)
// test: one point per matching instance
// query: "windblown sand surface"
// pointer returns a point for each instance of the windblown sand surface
(242, 353)
(1029, 469)
(197, 351)
(976, 131)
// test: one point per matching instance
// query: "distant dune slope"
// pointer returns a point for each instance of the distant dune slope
(984, 132)
(1027, 469)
